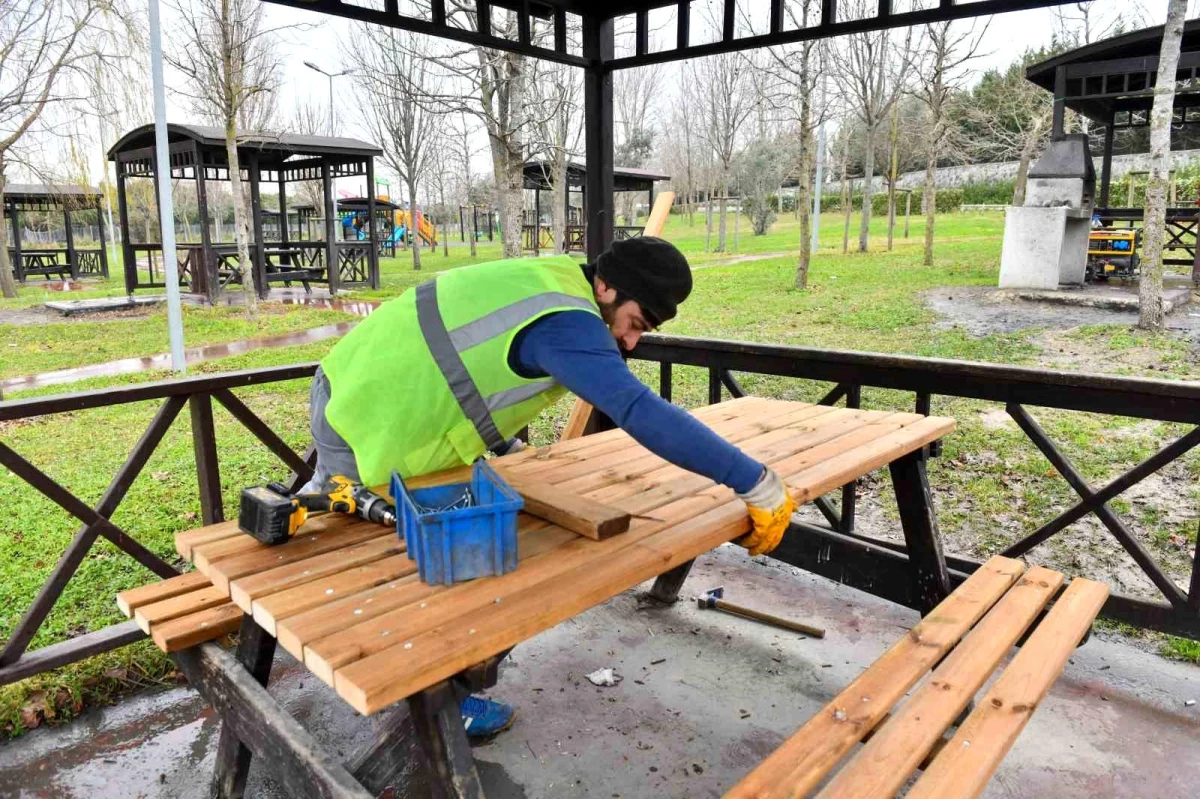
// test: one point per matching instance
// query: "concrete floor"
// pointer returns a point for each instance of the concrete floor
(704, 697)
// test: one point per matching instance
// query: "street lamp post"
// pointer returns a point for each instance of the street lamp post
(331, 76)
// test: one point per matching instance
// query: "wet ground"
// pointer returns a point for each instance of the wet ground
(984, 310)
(705, 696)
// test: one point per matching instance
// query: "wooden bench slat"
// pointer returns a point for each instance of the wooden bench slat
(134, 598)
(302, 546)
(801, 762)
(245, 590)
(272, 609)
(971, 757)
(196, 628)
(149, 615)
(883, 765)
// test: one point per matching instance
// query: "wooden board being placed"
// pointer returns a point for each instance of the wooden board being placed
(576, 513)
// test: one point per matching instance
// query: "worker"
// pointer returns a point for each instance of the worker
(456, 366)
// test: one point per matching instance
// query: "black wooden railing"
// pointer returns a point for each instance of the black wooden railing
(878, 566)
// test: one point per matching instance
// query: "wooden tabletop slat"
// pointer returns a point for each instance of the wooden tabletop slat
(188, 539)
(196, 628)
(302, 546)
(134, 598)
(800, 763)
(885, 762)
(201, 599)
(973, 754)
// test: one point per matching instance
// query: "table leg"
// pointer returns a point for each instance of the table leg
(390, 757)
(667, 585)
(930, 580)
(443, 740)
(256, 652)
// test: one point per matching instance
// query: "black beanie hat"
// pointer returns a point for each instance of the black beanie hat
(649, 270)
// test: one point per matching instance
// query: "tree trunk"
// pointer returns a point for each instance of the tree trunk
(867, 190)
(1151, 315)
(1031, 140)
(930, 202)
(847, 197)
(708, 222)
(414, 222)
(893, 171)
(804, 199)
(445, 231)
(723, 207)
(558, 200)
(241, 222)
(737, 223)
(8, 283)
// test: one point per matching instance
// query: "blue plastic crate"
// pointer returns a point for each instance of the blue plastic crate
(451, 546)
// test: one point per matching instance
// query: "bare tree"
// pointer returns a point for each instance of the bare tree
(789, 86)
(229, 58)
(634, 95)
(940, 73)
(678, 154)
(39, 43)
(309, 119)
(871, 69)
(1151, 315)
(726, 103)
(396, 72)
(462, 138)
(559, 129)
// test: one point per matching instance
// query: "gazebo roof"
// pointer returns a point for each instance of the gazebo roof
(1117, 74)
(360, 204)
(49, 194)
(625, 178)
(263, 141)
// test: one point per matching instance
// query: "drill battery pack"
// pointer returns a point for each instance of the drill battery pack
(267, 515)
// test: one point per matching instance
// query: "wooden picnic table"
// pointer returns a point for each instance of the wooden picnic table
(344, 599)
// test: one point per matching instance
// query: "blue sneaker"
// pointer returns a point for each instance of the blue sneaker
(483, 718)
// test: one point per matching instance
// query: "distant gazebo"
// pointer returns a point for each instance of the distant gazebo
(48, 259)
(537, 178)
(198, 153)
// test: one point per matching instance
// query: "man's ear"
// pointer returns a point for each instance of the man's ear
(604, 292)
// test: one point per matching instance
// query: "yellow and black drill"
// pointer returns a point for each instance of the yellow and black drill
(272, 516)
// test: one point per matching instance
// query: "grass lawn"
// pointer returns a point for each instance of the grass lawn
(992, 485)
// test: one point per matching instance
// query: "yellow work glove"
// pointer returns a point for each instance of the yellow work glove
(771, 508)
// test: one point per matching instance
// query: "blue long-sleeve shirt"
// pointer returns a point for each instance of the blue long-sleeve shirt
(577, 350)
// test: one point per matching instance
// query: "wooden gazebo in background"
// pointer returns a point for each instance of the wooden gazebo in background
(198, 153)
(70, 260)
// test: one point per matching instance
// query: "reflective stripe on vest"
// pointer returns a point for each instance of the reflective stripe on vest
(447, 346)
(466, 393)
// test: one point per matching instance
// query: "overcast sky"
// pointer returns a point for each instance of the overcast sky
(1006, 37)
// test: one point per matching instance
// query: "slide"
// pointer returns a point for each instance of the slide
(426, 231)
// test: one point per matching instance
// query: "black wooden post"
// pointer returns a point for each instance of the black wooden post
(664, 380)
(18, 261)
(258, 254)
(666, 587)
(103, 241)
(1106, 160)
(331, 245)
(537, 221)
(598, 127)
(372, 250)
(1060, 102)
(130, 263)
(930, 580)
(850, 490)
(443, 740)
(714, 385)
(255, 653)
(204, 445)
(72, 258)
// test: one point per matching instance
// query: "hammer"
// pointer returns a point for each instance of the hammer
(713, 600)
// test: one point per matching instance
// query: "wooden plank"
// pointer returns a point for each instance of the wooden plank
(149, 615)
(971, 757)
(245, 590)
(134, 598)
(204, 554)
(187, 631)
(801, 762)
(302, 766)
(536, 537)
(362, 639)
(884, 764)
(301, 547)
(581, 414)
(711, 518)
(270, 610)
(573, 512)
(188, 539)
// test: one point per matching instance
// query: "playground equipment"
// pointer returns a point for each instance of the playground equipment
(425, 230)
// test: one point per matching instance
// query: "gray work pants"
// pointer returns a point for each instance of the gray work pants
(334, 455)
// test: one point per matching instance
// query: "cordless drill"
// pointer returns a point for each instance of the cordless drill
(272, 516)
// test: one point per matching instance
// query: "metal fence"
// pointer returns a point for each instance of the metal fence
(836, 550)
